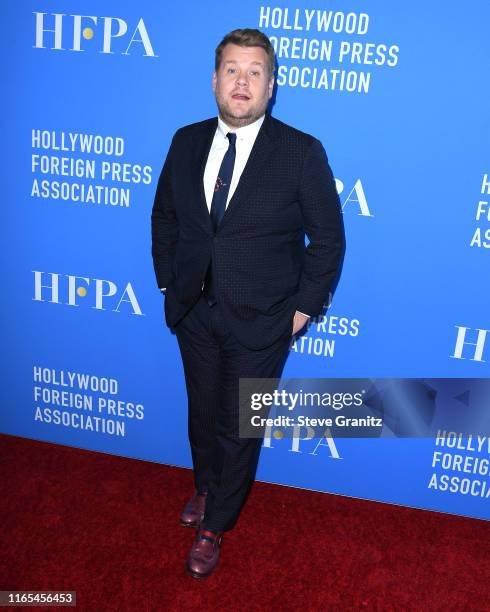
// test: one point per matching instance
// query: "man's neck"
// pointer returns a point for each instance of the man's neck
(233, 128)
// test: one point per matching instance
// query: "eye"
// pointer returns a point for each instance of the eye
(230, 70)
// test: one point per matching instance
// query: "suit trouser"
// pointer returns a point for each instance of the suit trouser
(214, 361)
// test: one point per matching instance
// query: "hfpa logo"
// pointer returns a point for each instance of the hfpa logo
(470, 343)
(356, 196)
(49, 286)
(303, 439)
(112, 27)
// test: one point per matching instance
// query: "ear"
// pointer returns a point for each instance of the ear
(215, 79)
(271, 86)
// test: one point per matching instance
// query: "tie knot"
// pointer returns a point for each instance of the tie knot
(232, 138)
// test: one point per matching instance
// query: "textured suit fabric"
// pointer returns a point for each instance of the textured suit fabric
(214, 361)
(262, 271)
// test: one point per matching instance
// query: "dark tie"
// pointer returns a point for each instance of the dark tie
(218, 206)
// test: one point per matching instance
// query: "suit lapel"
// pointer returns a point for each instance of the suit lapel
(264, 145)
(202, 145)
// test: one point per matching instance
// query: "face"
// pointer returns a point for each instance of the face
(242, 85)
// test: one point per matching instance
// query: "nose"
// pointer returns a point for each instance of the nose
(242, 78)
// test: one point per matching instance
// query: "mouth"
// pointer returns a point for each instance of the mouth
(241, 96)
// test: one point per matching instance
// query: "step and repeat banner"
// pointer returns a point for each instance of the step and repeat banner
(398, 95)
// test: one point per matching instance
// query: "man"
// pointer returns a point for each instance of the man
(235, 198)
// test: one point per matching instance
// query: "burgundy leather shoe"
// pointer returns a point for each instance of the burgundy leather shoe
(204, 554)
(193, 512)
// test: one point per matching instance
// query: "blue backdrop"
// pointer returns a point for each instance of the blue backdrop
(398, 94)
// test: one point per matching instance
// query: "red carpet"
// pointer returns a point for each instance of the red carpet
(107, 527)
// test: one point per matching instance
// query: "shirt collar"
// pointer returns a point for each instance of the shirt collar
(247, 132)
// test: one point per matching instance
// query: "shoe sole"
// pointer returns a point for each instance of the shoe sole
(184, 524)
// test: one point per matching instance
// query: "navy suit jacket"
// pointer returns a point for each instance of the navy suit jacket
(263, 272)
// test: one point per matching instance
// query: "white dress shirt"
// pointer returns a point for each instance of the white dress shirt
(245, 139)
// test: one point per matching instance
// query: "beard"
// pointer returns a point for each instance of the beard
(238, 120)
